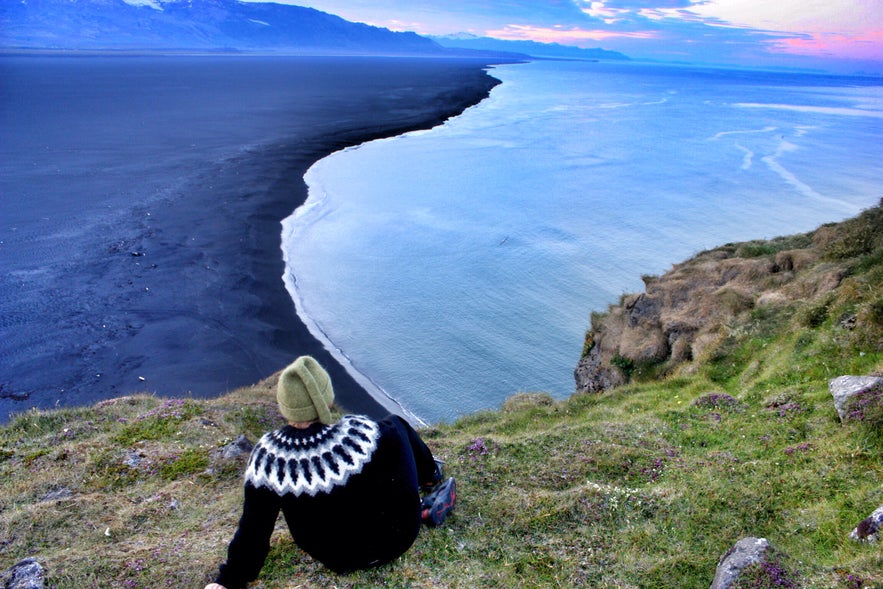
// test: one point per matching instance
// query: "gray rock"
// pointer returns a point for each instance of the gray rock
(844, 388)
(133, 460)
(58, 494)
(746, 552)
(593, 375)
(241, 445)
(25, 574)
(868, 530)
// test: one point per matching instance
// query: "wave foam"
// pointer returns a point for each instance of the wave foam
(824, 110)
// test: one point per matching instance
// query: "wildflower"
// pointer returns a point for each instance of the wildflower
(477, 448)
(800, 447)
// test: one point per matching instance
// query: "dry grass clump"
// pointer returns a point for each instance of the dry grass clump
(853, 238)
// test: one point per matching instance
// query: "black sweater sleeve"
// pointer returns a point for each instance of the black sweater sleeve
(426, 469)
(251, 543)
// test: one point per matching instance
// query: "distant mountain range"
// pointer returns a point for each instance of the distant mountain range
(532, 48)
(210, 25)
(231, 25)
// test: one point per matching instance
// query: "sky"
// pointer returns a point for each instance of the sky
(792, 33)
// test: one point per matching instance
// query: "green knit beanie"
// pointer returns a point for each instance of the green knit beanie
(305, 392)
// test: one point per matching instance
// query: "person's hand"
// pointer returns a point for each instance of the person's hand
(214, 586)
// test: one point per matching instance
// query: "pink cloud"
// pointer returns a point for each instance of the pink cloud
(564, 35)
(866, 45)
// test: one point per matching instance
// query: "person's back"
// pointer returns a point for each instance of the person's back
(349, 491)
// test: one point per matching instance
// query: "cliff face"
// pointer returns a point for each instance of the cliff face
(682, 316)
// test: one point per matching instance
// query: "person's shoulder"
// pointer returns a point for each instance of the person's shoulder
(354, 418)
(269, 442)
(350, 424)
(388, 422)
(273, 437)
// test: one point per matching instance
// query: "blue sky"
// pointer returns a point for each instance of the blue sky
(820, 33)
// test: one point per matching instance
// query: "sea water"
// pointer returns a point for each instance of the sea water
(452, 268)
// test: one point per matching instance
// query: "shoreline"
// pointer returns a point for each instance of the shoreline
(352, 388)
(183, 294)
(371, 388)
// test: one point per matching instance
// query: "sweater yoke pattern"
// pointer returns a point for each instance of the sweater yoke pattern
(288, 464)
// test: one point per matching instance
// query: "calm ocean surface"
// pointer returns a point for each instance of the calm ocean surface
(454, 267)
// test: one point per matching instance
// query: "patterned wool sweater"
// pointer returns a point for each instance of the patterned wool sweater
(292, 464)
(348, 491)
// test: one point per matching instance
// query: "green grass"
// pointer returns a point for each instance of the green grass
(643, 486)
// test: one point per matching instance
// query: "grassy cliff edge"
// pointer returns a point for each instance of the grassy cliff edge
(723, 428)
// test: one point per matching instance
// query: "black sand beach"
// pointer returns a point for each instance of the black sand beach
(140, 236)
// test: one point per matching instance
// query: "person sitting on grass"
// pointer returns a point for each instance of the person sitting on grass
(349, 490)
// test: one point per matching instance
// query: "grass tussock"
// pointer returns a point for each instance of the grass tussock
(642, 486)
